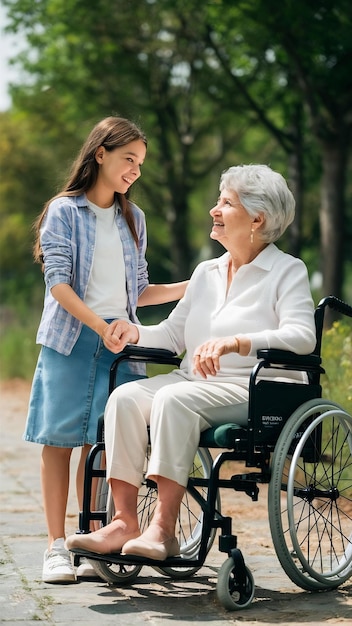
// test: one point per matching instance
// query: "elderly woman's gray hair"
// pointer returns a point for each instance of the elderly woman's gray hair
(261, 190)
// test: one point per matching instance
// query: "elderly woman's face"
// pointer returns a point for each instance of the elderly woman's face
(231, 222)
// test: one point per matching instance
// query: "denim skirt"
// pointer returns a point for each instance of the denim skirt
(69, 393)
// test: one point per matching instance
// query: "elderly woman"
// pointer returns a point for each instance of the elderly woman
(254, 296)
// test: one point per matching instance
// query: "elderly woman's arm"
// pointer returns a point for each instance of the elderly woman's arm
(168, 334)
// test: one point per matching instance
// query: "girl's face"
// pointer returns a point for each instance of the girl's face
(120, 167)
(231, 222)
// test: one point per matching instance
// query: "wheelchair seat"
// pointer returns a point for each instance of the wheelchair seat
(223, 436)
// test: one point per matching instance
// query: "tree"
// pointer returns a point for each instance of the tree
(206, 76)
(314, 69)
(131, 57)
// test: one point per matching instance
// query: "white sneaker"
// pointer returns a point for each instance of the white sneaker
(85, 569)
(58, 566)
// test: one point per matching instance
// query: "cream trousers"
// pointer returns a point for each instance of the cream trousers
(177, 410)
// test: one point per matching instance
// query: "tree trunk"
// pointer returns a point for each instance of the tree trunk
(294, 150)
(180, 253)
(332, 220)
(295, 176)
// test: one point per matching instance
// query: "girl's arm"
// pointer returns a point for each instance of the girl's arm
(72, 303)
(159, 294)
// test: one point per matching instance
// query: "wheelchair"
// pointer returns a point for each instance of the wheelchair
(297, 442)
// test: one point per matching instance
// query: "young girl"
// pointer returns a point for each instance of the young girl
(92, 241)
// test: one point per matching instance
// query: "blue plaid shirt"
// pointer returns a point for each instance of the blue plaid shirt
(67, 239)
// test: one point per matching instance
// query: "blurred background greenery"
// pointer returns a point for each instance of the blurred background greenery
(213, 84)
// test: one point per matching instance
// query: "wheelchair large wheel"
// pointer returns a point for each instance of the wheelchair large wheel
(188, 528)
(310, 496)
(116, 573)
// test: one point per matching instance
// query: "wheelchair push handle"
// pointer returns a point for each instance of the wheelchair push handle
(336, 304)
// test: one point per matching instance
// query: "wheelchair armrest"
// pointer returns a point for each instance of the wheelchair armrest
(141, 354)
(155, 353)
(285, 357)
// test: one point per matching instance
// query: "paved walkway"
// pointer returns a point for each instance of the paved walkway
(153, 600)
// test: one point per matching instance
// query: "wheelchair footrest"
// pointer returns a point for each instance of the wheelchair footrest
(129, 559)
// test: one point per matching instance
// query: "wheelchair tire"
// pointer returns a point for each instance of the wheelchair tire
(310, 496)
(188, 528)
(232, 595)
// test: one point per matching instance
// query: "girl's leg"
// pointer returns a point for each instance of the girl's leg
(55, 472)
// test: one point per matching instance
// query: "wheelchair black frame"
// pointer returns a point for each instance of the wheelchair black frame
(246, 446)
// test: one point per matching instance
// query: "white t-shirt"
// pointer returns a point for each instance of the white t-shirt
(106, 292)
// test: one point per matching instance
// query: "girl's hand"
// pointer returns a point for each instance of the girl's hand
(206, 358)
(119, 333)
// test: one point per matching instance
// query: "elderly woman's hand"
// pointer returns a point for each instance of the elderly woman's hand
(206, 358)
(118, 334)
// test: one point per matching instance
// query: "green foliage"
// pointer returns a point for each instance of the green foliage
(18, 351)
(27, 175)
(151, 62)
(212, 84)
(337, 361)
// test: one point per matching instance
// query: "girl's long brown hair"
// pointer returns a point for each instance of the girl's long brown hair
(111, 132)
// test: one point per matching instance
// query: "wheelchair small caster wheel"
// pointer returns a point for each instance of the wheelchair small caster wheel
(235, 586)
